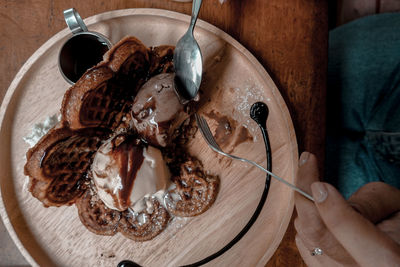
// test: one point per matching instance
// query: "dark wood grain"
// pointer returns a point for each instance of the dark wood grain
(288, 37)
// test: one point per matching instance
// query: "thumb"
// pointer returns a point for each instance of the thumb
(365, 243)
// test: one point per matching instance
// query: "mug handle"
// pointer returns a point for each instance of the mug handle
(74, 21)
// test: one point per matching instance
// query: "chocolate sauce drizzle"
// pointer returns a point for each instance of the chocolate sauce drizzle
(259, 113)
(130, 158)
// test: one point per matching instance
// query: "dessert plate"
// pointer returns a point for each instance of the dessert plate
(233, 81)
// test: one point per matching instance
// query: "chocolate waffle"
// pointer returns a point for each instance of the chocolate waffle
(146, 224)
(97, 107)
(194, 192)
(96, 216)
(101, 220)
(161, 60)
(57, 165)
(103, 96)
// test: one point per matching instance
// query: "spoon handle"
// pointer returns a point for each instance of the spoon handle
(195, 12)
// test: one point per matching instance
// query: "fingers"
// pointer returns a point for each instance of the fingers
(391, 227)
(306, 253)
(308, 223)
(307, 172)
(337, 228)
(306, 175)
(364, 242)
(376, 201)
(322, 260)
(311, 230)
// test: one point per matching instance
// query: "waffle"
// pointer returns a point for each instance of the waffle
(194, 190)
(103, 96)
(161, 60)
(105, 92)
(94, 109)
(145, 225)
(96, 216)
(129, 57)
(57, 165)
(101, 220)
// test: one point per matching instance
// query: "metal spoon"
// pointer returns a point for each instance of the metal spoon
(188, 61)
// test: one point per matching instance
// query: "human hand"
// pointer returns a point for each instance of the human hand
(362, 231)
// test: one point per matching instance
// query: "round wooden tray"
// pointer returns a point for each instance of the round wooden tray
(233, 80)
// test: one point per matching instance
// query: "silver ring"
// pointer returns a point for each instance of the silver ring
(316, 252)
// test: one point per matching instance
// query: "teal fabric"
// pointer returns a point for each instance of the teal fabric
(363, 103)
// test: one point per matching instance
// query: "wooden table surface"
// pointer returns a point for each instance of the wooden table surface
(289, 38)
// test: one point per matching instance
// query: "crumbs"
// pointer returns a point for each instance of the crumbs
(228, 133)
(108, 255)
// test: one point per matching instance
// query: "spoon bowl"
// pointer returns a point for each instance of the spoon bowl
(188, 60)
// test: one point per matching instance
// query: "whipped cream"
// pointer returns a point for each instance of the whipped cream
(41, 128)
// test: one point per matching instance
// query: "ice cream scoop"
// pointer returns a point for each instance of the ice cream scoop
(125, 171)
(157, 111)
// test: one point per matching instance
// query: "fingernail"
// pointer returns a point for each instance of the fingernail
(303, 158)
(319, 192)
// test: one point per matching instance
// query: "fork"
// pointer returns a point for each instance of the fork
(209, 138)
